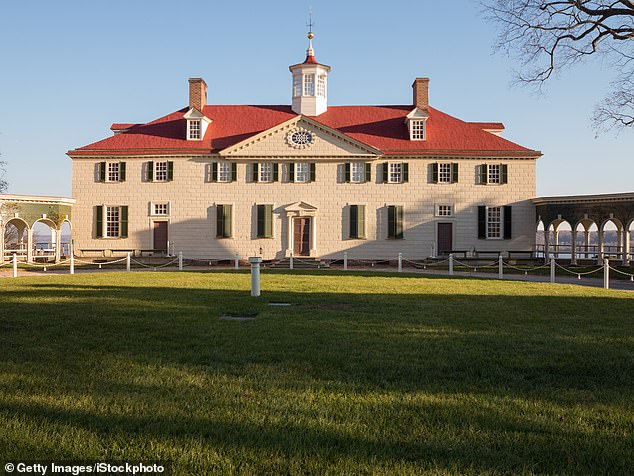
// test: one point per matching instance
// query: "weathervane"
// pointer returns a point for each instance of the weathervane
(310, 24)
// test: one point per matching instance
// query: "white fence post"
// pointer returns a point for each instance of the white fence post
(255, 275)
(552, 270)
(500, 267)
(291, 261)
(400, 262)
(236, 262)
(15, 265)
(127, 262)
(606, 274)
(450, 264)
(180, 260)
(433, 250)
(345, 261)
(72, 262)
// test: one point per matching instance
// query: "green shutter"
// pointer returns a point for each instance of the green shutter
(268, 221)
(354, 221)
(454, 173)
(291, 172)
(312, 171)
(347, 174)
(102, 171)
(254, 172)
(398, 228)
(360, 221)
(482, 222)
(150, 171)
(368, 172)
(276, 175)
(508, 225)
(385, 172)
(260, 221)
(121, 171)
(124, 222)
(219, 221)
(226, 211)
(99, 214)
(482, 174)
(504, 173)
(234, 171)
(170, 171)
(391, 221)
(214, 172)
(405, 172)
(434, 173)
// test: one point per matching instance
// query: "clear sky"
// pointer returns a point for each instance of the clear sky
(71, 68)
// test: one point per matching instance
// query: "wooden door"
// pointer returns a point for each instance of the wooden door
(301, 237)
(160, 235)
(445, 238)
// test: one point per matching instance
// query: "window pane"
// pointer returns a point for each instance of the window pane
(395, 173)
(494, 173)
(321, 85)
(113, 172)
(297, 85)
(357, 172)
(418, 130)
(266, 172)
(444, 173)
(112, 222)
(309, 85)
(194, 129)
(494, 222)
(302, 172)
(224, 172)
(160, 171)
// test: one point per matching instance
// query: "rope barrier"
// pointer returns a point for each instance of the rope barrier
(154, 267)
(578, 273)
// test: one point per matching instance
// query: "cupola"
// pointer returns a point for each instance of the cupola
(310, 84)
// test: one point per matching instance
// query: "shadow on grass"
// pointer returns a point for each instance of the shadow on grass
(481, 383)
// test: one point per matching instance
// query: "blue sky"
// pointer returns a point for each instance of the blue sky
(70, 69)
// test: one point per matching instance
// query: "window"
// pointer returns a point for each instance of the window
(160, 171)
(297, 85)
(444, 210)
(321, 85)
(309, 85)
(302, 172)
(357, 221)
(357, 172)
(224, 172)
(395, 172)
(161, 208)
(494, 222)
(417, 130)
(112, 221)
(444, 173)
(223, 221)
(265, 221)
(496, 174)
(112, 171)
(395, 222)
(266, 172)
(194, 130)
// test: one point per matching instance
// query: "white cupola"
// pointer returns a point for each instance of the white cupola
(310, 84)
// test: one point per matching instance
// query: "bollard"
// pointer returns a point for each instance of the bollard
(291, 262)
(606, 274)
(127, 262)
(72, 263)
(500, 268)
(345, 260)
(236, 262)
(400, 262)
(451, 264)
(255, 275)
(180, 260)
(552, 270)
(15, 265)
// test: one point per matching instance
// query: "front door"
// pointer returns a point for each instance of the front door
(160, 236)
(301, 236)
(445, 238)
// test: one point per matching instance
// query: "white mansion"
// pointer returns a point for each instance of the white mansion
(309, 179)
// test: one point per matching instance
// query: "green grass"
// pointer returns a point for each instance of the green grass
(364, 374)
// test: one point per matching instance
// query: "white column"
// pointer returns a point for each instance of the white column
(29, 245)
(500, 267)
(58, 245)
(600, 251)
(586, 240)
(555, 242)
(625, 247)
(255, 275)
(1, 243)
(606, 274)
(400, 262)
(552, 270)
(15, 265)
(289, 248)
(628, 238)
(180, 260)
(313, 248)
(345, 260)
(573, 247)
(546, 244)
(450, 264)
(127, 262)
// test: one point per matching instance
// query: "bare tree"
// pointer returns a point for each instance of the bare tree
(550, 35)
(10, 232)
(3, 171)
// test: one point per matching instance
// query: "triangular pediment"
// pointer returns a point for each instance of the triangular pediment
(300, 207)
(417, 113)
(194, 113)
(315, 140)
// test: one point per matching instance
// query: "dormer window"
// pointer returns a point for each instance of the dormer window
(417, 130)
(194, 129)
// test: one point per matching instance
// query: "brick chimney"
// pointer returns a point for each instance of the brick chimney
(197, 93)
(421, 93)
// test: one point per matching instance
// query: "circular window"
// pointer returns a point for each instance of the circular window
(301, 138)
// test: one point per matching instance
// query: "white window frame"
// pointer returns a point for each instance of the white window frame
(154, 210)
(224, 172)
(194, 129)
(444, 210)
(494, 174)
(417, 129)
(297, 85)
(309, 84)
(160, 167)
(112, 227)
(265, 172)
(444, 172)
(299, 171)
(357, 172)
(113, 171)
(495, 223)
(395, 172)
(321, 85)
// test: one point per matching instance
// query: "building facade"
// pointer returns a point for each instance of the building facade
(306, 179)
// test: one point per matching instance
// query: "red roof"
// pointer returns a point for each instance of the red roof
(493, 126)
(382, 127)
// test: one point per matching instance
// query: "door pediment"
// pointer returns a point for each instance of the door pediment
(300, 208)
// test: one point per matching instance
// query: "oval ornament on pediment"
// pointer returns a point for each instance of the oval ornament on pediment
(300, 138)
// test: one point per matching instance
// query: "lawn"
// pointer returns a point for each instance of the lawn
(363, 373)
